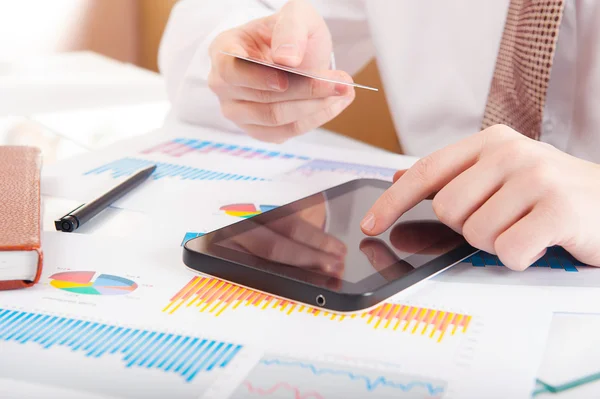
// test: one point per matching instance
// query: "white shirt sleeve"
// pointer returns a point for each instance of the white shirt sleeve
(184, 61)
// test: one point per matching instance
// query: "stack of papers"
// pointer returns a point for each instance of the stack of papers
(117, 314)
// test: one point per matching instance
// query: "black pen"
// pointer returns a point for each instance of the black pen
(77, 217)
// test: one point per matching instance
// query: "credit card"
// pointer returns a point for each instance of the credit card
(297, 71)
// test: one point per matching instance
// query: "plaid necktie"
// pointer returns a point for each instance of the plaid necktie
(518, 91)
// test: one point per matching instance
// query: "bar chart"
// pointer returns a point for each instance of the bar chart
(213, 296)
(128, 166)
(182, 146)
(555, 258)
(169, 352)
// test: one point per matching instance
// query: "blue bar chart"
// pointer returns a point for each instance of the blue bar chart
(186, 356)
(555, 258)
(190, 235)
(128, 166)
(183, 146)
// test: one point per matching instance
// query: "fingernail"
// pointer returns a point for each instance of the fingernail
(273, 81)
(287, 51)
(340, 89)
(368, 222)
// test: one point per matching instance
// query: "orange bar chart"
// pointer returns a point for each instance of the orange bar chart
(213, 296)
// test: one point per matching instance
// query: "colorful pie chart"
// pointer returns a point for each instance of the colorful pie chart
(246, 210)
(92, 283)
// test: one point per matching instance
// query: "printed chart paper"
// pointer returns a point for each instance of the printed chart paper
(139, 315)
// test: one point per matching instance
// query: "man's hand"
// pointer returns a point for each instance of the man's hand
(506, 194)
(269, 104)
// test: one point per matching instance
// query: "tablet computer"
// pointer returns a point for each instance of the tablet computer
(313, 251)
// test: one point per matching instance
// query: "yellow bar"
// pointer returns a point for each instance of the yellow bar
(201, 294)
(291, 309)
(457, 323)
(251, 298)
(438, 322)
(204, 282)
(390, 316)
(449, 317)
(227, 301)
(227, 298)
(182, 293)
(259, 299)
(180, 302)
(430, 315)
(266, 303)
(410, 317)
(467, 321)
(401, 316)
(385, 311)
(422, 314)
(240, 297)
(214, 292)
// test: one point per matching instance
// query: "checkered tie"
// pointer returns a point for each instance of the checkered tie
(518, 91)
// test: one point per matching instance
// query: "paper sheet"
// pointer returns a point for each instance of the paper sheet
(570, 368)
(124, 288)
(186, 165)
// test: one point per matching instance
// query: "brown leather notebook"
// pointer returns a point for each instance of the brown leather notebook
(20, 217)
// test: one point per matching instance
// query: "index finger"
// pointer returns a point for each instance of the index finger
(425, 177)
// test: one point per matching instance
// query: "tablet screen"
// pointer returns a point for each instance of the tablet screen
(318, 239)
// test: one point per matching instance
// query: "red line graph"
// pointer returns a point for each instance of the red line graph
(282, 385)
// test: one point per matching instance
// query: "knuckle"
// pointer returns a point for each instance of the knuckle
(293, 129)
(264, 96)
(475, 235)
(502, 129)
(441, 210)
(424, 169)
(515, 150)
(389, 200)
(543, 175)
(272, 114)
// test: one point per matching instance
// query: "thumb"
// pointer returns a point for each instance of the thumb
(296, 21)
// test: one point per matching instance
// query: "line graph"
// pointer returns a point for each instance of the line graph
(279, 376)
(319, 166)
(282, 386)
(214, 296)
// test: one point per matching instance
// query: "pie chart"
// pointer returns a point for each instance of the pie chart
(246, 210)
(92, 283)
